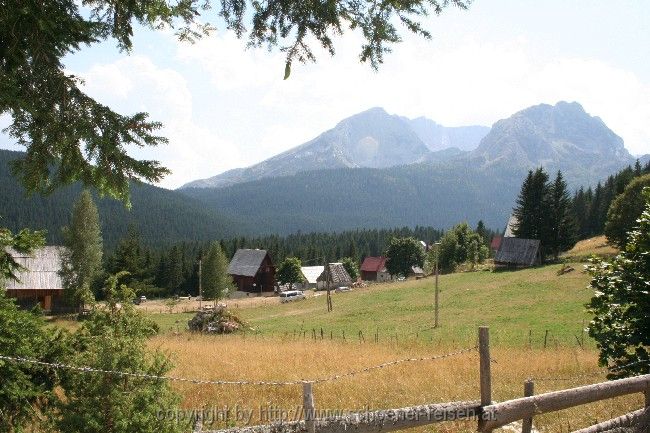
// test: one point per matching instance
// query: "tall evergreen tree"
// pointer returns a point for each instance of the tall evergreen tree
(562, 235)
(532, 208)
(174, 269)
(215, 279)
(82, 259)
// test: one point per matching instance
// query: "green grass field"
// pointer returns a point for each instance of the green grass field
(517, 305)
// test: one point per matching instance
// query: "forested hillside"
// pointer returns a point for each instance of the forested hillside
(343, 199)
(162, 217)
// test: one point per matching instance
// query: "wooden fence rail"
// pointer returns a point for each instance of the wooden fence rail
(374, 421)
(638, 418)
(500, 414)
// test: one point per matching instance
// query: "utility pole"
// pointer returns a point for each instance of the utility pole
(435, 322)
(200, 283)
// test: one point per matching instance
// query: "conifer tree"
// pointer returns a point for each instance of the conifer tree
(562, 235)
(532, 209)
(82, 259)
(215, 279)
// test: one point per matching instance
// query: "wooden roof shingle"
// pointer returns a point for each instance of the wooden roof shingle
(246, 262)
(41, 269)
(518, 251)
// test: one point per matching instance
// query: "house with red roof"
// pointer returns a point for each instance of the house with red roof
(374, 269)
(495, 244)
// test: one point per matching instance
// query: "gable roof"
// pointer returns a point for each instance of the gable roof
(373, 264)
(311, 273)
(338, 274)
(518, 251)
(246, 262)
(510, 227)
(41, 270)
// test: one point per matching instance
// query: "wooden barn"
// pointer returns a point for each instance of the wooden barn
(518, 253)
(40, 282)
(252, 271)
(335, 276)
(374, 269)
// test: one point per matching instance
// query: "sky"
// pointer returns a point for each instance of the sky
(224, 106)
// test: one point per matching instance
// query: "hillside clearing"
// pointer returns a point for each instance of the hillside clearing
(517, 305)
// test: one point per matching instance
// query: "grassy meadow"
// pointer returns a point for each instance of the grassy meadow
(519, 306)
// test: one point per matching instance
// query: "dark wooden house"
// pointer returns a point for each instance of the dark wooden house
(39, 283)
(252, 271)
(518, 253)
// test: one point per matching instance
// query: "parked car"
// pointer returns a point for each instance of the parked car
(291, 295)
(343, 289)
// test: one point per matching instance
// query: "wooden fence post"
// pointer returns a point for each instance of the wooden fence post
(486, 378)
(545, 338)
(308, 407)
(529, 391)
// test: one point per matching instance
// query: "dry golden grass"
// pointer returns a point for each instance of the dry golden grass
(276, 359)
(597, 245)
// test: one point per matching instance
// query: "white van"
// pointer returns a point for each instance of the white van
(291, 295)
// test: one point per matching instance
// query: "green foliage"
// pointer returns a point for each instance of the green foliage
(563, 235)
(625, 210)
(543, 212)
(351, 267)
(460, 245)
(114, 338)
(27, 390)
(590, 206)
(82, 259)
(621, 324)
(532, 207)
(25, 241)
(56, 121)
(216, 280)
(289, 272)
(403, 254)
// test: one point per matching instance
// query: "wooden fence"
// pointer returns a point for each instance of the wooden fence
(489, 415)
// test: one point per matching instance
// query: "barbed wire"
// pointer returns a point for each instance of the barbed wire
(391, 363)
(587, 375)
(61, 366)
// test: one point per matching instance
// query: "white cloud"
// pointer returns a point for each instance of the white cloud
(464, 82)
(135, 83)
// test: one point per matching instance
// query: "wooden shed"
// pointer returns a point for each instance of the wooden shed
(518, 253)
(335, 275)
(252, 271)
(39, 283)
(374, 269)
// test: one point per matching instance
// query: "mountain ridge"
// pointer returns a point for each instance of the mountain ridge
(559, 137)
(370, 139)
